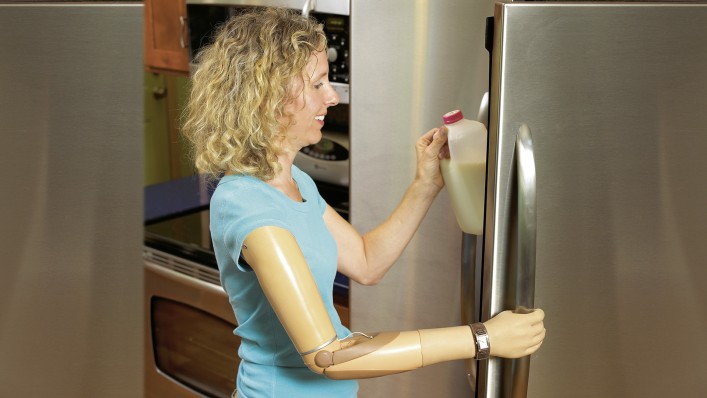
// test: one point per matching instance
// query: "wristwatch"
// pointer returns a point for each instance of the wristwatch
(481, 339)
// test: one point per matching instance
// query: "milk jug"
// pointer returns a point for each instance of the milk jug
(465, 172)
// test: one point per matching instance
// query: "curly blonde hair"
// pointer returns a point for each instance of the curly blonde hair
(235, 116)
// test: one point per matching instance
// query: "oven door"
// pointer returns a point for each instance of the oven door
(191, 350)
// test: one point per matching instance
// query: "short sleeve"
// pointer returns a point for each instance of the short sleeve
(236, 210)
(309, 188)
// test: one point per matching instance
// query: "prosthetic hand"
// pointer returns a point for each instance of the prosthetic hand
(284, 275)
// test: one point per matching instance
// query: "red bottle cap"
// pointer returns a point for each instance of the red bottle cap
(452, 117)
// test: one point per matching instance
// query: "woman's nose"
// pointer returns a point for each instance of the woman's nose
(332, 97)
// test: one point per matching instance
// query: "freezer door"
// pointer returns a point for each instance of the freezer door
(615, 96)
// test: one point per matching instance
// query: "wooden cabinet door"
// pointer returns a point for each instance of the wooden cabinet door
(166, 39)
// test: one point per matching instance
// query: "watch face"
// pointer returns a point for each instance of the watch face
(483, 342)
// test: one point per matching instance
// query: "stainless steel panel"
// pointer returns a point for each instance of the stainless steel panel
(71, 162)
(411, 63)
(187, 283)
(615, 95)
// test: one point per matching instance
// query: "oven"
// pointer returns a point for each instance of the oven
(190, 348)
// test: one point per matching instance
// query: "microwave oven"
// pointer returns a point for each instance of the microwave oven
(328, 160)
(205, 16)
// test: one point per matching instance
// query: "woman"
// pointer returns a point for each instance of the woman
(260, 94)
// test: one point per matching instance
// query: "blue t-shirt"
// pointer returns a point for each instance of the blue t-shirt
(270, 364)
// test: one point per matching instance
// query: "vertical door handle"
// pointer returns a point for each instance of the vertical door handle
(183, 32)
(527, 219)
(308, 6)
(483, 115)
(527, 235)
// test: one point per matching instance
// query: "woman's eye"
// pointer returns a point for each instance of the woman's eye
(318, 85)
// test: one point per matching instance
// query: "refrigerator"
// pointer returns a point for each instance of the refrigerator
(411, 62)
(71, 236)
(595, 193)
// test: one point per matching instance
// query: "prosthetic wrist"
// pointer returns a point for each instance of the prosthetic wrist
(481, 341)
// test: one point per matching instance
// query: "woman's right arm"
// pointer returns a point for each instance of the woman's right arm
(284, 275)
(367, 258)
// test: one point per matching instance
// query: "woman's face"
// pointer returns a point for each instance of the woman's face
(312, 95)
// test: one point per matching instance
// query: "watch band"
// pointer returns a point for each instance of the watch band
(481, 340)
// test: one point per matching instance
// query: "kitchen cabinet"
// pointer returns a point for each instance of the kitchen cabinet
(166, 38)
(166, 153)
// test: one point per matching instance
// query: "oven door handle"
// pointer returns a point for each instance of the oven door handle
(187, 281)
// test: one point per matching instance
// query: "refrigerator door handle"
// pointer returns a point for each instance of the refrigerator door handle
(527, 220)
(527, 232)
(483, 115)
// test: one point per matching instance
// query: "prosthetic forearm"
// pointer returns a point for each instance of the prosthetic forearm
(284, 275)
(395, 352)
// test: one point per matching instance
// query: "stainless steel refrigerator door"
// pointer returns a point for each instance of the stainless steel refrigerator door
(411, 63)
(71, 157)
(616, 98)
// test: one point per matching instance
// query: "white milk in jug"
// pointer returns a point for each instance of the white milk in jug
(465, 172)
(465, 183)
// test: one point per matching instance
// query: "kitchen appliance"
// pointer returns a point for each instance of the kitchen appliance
(71, 151)
(327, 160)
(191, 350)
(411, 63)
(204, 16)
(610, 97)
(595, 200)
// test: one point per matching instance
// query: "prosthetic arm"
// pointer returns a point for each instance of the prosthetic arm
(284, 275)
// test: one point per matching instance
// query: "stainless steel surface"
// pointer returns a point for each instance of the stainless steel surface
(483, 115)
(340, 7)
(411, 63)
(308, 7)
(470, 290)
(527, 233)
(71, 80)
(527, 220)
(616, 97)
(343, 90)
(184, 282)
(471, 261)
